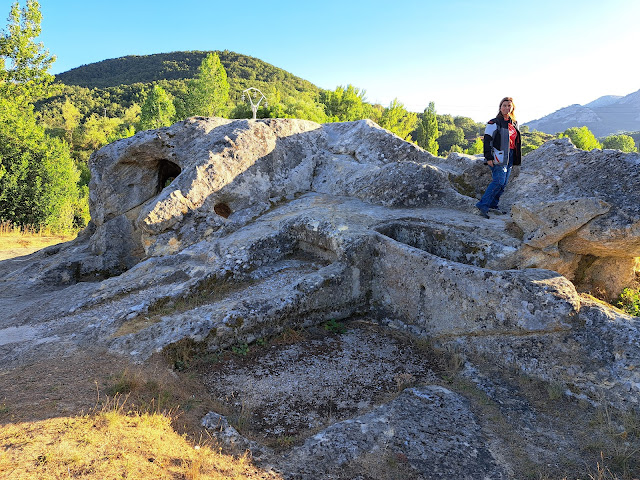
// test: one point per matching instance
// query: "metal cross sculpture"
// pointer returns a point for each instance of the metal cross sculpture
(255, 99)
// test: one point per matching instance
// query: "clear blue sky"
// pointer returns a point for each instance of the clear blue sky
(464, 55)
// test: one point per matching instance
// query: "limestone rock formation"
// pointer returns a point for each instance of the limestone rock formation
(222, 231)
(578, 212)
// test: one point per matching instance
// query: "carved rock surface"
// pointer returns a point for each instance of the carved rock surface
(439, 445)
(223, 232)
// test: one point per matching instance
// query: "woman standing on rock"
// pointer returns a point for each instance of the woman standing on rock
(502, 150)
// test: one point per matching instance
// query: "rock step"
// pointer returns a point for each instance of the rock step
(286, 294)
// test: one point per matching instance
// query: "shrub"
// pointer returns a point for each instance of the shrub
(629, 301)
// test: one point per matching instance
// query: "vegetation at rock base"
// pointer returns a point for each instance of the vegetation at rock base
(581, 138)
(114, 441)
(620, 142)
(533, 140)
(630, 301)
(16, 240)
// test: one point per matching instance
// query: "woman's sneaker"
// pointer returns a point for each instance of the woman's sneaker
(483, 213)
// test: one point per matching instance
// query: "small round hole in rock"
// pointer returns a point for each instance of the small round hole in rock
(222, 209)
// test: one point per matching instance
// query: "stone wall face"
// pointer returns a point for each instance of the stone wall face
(447, 299)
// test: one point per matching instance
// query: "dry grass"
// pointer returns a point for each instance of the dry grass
(95, 416)
(112, 443)
(16, 241)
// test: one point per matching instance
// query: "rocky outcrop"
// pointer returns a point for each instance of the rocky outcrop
(580, 214)
(576, 212)
(224, 232)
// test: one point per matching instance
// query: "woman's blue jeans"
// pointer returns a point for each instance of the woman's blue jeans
(499, 177)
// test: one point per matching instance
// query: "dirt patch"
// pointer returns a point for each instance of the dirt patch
(282, 393)
(84, 382)
(17, 252)
(12, 246)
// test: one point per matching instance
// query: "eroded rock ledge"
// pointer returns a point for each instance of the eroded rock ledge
(227, 231)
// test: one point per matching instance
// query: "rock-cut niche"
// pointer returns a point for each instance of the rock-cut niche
(167, 172)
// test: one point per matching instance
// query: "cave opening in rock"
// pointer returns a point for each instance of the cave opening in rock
(167, 172)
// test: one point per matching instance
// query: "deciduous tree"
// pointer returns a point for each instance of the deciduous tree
(428, 133)
(70, 119)
(476, 147)
(620, 142)
(470, 127)
(38, 180)
(450, 136)
(208, 92)
(582, 138)
(158, 110)
(23, 62)
(344, 104)
(396, 119)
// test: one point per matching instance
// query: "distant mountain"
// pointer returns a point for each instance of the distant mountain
(603, 101)
(604, 116)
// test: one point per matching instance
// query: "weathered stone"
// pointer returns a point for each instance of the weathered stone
(585, 203)
(439, 445)
(608, 276)
(546, 224)
(441, 298)
(225, 231)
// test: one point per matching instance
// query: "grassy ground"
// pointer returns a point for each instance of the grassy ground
(16, 242)
(94, 416)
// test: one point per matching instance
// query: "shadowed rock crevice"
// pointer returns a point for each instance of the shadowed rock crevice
(456, 244)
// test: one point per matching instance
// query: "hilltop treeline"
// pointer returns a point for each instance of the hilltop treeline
(180, 66)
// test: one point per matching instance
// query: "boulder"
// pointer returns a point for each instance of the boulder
(569, 202)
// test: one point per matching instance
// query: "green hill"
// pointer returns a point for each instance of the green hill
(145, 69)
(108, 88)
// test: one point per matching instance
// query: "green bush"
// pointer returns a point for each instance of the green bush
(38, 178)
(630, 301)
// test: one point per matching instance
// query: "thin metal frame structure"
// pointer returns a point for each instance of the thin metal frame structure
(254, 106)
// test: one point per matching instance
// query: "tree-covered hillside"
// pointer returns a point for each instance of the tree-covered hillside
(134, 69)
